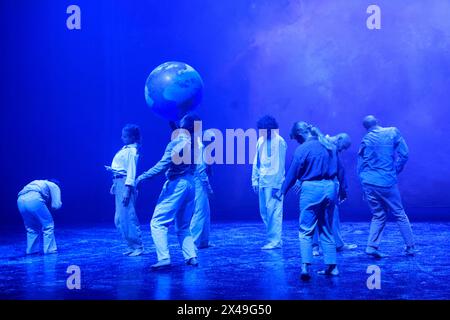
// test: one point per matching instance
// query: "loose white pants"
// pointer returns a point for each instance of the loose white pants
(175, 205)
(37, 218)
(201, 219)
(126, 219)
(271, 211)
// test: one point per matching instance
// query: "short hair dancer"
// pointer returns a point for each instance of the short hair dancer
(123, 169)
(382, 156)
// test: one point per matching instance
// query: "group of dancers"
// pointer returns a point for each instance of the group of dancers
(316, 174)
(318, 177)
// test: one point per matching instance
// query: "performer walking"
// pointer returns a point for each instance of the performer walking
(316, 165)
(177, 199)
(342, 142)
(382, 156)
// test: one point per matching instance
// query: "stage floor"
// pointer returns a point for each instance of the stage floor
(235, 268)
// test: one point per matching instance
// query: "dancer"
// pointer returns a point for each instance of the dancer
(177, 199)
(123, 168)
(316, 165)
(35, 201)
(342, 142)
(201, 220)
(382, 155)
(267, 179)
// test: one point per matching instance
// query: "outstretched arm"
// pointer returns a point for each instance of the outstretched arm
(161, 166)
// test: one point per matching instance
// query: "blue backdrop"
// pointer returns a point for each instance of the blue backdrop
(65, 95)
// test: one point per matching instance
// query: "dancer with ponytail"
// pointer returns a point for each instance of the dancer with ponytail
(315, 164)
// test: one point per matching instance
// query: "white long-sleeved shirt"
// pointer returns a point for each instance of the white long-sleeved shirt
(125, 163)
(47, 189)
(167, 164)
(269, 167)
(202, 168)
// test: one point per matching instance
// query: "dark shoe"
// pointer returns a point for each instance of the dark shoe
(410, 251)
(192, 262)
(305, 275)
(206, 246)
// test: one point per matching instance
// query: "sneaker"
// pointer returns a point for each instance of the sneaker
(271, 246)
(331, 271)
(192, 262)
(161, 264)
(305, 275)
(136, 253)
(346, 247)
(371, 251)
(410, 251)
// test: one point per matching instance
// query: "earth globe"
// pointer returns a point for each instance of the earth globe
(173, 89)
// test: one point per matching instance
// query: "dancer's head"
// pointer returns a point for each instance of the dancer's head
(369, 122)
(266, 124)
(301, 131)
(341, 141)
(188, 122)
(131, 134)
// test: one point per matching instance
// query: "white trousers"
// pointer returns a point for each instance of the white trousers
(201, 220)
(271, 211)
(37, 218)
(175, 206)
(125, 219)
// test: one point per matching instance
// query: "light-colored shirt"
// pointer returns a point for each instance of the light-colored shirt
(269, 162)
(382, 155)
(48, 190)
(202, 170)
(174, 151)
(125, 163)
